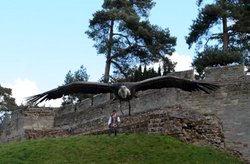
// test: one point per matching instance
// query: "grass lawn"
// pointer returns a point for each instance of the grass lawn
(125, 148)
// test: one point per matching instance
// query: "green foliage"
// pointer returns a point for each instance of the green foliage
(213, 57)
(241, 13)
(168, 66)
(123, 33)
(207, 16)
(78, 75)
(136, 73)
(7, 103)
(234, 36)
(132, 148)
(140, 7)
(241, 28)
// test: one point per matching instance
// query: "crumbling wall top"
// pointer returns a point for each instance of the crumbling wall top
(189, 74)
(227, 74)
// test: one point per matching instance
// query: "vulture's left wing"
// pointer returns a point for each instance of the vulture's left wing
(76, 87)
(174, 82)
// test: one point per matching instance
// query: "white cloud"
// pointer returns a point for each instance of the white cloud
(183, 61)
(23, 88)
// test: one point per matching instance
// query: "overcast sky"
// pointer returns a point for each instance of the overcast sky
(41, 40)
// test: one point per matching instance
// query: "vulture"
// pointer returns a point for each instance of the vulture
(123, 91)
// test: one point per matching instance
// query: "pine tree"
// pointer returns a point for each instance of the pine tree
(159, 71)
(7, 102)
(234, 37)
(124, 35)
(78, 75)
(222, 12)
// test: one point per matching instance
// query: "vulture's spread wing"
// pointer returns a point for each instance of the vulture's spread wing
(76, 87)
(174, 82)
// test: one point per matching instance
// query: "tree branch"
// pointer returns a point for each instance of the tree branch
(214, 36)
(124, 36)
(118, 67)
(127, 50)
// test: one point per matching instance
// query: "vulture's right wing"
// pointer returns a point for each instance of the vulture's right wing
(76, 87)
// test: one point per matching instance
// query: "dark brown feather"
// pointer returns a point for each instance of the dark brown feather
(76, 87)
(174, 82)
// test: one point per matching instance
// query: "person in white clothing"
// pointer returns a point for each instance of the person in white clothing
(113, 122)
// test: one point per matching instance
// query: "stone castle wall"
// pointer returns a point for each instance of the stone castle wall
(14, 125)
(227, 108)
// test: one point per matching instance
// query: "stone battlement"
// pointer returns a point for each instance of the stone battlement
(226, 109)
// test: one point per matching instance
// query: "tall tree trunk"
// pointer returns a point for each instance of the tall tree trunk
(224, 24)
(109, 57)
(225, 33)
(107, 70)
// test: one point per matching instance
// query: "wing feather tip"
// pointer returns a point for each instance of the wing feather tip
(207, 87)
(36, 99)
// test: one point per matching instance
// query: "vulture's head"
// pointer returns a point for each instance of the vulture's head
(124, 92)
